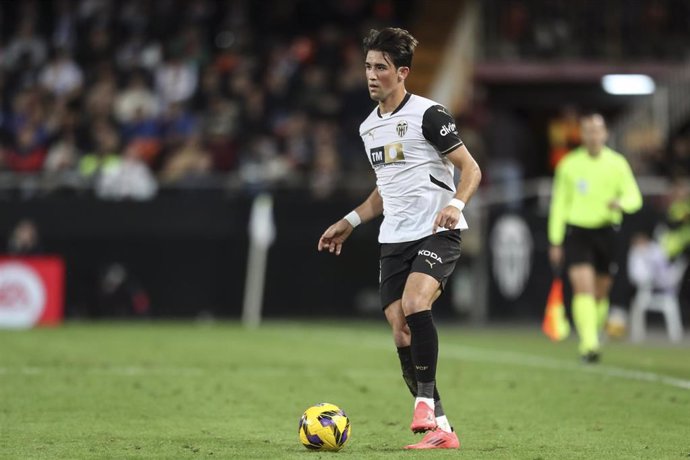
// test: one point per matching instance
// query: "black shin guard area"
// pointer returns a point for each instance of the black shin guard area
(424, 346)
(407, 367)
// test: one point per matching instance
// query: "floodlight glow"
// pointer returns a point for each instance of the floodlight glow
(628, 84)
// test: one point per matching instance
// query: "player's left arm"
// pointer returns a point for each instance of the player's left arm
(629, 198)
(439, 129)
(470, 177)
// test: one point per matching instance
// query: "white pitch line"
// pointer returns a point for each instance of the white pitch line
(483, 355)
(460, 352)
(521, 359)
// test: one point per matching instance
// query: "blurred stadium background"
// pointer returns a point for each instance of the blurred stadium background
(134, 136)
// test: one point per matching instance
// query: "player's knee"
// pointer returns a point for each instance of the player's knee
(414, 304)
(401, 334)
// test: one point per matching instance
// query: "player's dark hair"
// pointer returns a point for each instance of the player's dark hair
(397, 44)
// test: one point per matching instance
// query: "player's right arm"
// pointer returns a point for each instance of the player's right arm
(557, 216)
(335, 235)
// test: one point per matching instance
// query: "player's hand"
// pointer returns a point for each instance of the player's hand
(556, 256)
(615, 205)
(334, 237)
(447, 217)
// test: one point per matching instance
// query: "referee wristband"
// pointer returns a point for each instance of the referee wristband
(353, 218)
(456, 203)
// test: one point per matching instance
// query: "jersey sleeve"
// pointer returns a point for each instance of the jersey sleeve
(559, 207)
(438, 127)
(630, 196)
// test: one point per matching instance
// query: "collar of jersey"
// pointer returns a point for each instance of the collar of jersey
(397, 109)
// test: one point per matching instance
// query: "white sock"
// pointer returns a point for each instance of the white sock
(443, 424)
(429, 402)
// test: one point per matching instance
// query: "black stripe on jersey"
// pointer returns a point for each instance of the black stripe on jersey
(397, 109)
(439, 183)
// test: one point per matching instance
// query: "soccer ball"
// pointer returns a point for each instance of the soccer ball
(324, 426)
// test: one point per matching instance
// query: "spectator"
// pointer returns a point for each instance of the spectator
(64, 25)
(188, 165)
(62, 76)
(63, 154)
(121, 294)
(178, 124)
(649, 264)
(25, 45)
(176, 81)
(105, 156)
(99, 99)
(128, 179)
(29, 153)
(135, 101)
(24, 239)
(220, 127)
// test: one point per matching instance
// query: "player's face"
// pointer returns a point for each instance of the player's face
(382, 76)
(594, 133)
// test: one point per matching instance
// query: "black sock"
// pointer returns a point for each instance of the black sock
(438, 408)
(424, 351)
(407, 367)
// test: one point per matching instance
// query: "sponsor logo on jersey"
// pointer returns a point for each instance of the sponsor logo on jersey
(401, 128)
(447, 129)
(427, 253)
(431, 264)
(582, 186)
(388, 154)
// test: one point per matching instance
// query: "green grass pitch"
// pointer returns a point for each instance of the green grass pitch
(216, 390)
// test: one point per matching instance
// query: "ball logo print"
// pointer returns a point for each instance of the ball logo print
(324, 426)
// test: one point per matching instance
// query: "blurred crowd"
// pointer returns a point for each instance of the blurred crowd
(612, 30)
(126, 97)
(131, 95)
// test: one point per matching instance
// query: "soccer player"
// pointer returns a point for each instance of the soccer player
(592, 188)
(413, 146)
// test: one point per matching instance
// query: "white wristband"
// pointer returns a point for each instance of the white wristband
(353, 218)
(456, 203)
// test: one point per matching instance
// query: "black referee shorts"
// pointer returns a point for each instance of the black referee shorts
(435, 255)
(594, 246)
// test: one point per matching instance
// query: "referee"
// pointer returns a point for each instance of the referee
(592, 188)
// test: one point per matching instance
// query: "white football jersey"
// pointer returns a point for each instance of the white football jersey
(406, 149)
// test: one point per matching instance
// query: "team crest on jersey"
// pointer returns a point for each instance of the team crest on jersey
(401, 128)
(389, 153)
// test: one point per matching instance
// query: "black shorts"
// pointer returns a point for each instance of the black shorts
(435, 255)
(595, 246)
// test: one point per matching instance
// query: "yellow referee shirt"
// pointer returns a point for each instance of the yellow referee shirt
(583, 187)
